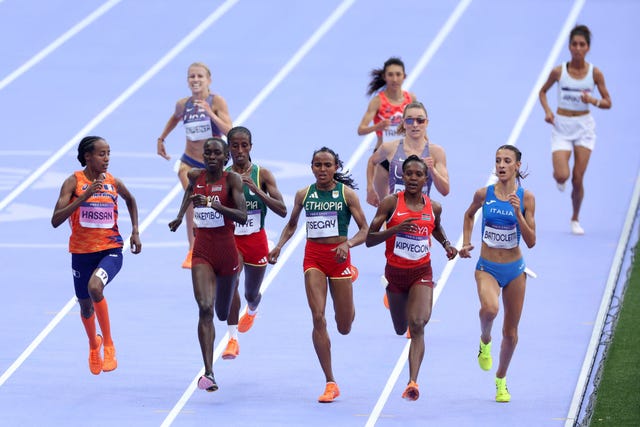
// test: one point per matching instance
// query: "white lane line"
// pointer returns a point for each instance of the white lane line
(413, 75)
(142, 80)
(297, 238)
(605, 304)
(58, 42)
(213, 17)
(512, 140)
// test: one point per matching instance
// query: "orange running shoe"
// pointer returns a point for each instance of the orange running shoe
(411, 393)
(232, 351)
(331, 391)
(95, 359)
(385, 301)
(408, 334)
(246, 322)
(187, 261)
(354, 273)
(110, 363)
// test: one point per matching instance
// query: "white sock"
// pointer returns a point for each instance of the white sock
(251, 312)
(233, 331)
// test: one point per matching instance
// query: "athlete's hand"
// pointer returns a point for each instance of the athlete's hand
(246, 179)
(173, 225)
(382, 125)
(514, 200)
(372, 198)
(341, 251)
(549, 118)
(95, 186)
(406, 226)
(451, 252)
(162, 151)
(465, 251)
(136, 245)
(272, 258)
(198, 200)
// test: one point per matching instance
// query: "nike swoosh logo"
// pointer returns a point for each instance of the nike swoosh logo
(199, 186)
(425, 281)
(403, 213)
(189, 110)
(490, 202)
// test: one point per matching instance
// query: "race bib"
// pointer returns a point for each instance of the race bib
(251, 226)
(205, 217)
(198, 130)
(322, 224)
(411, 247)
(97, 215)
(500, 236)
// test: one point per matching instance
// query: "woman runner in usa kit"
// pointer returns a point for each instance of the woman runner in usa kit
(508, 212)
(218, 202)
(329, 204)
(204, 116)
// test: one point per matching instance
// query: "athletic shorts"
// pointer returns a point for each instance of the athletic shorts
(192, 162)
(220, 253)
(108, 263)
(503, 273)
(402, 279)
(253, 248)
(578, 131)
(321, 257)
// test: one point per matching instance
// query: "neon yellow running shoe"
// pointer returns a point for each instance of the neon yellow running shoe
(502, 394)
(484, 356)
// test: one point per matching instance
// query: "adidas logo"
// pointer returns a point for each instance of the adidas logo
(347, 271)
(313, 195)
(263, 260)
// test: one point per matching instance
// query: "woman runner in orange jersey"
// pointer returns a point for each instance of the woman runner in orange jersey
(89, 200)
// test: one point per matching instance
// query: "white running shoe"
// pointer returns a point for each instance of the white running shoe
(576, 228)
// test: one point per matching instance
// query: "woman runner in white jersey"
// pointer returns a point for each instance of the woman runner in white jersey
(573, 126)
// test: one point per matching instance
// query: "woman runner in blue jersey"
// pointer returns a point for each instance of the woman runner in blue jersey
(507, 215)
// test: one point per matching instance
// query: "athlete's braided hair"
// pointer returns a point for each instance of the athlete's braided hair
(86, 146)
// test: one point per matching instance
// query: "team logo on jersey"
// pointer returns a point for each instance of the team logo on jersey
(335, 194)
(426, 217)
(216, 187)
(108, 187)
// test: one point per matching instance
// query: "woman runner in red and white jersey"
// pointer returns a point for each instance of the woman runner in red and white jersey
(411, 220)
(385, 109)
